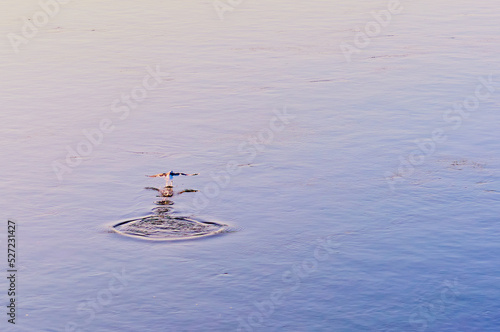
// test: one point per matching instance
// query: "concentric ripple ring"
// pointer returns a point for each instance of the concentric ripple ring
(168, 228)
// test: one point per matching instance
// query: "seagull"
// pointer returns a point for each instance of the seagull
(169, 177)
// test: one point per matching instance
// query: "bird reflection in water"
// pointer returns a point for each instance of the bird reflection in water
(166, 224)
(165, 204)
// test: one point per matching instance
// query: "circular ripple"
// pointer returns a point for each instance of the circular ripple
(168, 228)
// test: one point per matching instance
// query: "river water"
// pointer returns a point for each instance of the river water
(327, 136)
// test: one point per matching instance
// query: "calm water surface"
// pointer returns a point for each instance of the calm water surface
(334, 230)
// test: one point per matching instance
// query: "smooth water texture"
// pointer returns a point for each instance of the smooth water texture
(359, 198)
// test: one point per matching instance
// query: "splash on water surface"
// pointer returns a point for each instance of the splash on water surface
(163, 225)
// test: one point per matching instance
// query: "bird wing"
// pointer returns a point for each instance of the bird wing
(157, 175)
